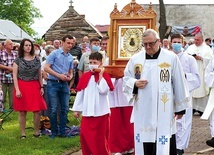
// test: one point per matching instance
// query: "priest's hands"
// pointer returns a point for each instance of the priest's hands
(141, 83)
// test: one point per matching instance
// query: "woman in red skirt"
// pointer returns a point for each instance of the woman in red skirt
(28, 86)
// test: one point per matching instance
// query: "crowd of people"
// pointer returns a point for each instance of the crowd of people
(196, 59)
(147, 112)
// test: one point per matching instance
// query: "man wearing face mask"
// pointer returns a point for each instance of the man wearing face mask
(83, 65)
(190, 69)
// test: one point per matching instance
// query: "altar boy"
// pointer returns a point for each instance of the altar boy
(92, 102)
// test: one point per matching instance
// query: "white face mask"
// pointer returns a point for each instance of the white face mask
(37, 52)
(91, 67)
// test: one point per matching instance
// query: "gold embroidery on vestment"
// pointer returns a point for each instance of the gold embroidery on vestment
(164, 99)
(164, 65)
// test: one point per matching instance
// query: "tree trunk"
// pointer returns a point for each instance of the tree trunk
(162, 20)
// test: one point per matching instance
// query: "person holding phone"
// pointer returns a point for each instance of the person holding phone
(202, 53)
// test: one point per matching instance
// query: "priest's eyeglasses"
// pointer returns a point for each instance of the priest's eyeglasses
(151, 44)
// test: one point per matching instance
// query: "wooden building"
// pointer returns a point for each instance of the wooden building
(73, 24)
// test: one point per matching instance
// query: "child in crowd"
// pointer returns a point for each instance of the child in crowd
(92, 102)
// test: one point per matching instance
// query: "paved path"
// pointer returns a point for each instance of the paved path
(200, 133)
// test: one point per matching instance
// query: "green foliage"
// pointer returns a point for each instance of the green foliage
(21, 12)
(11, 144)
(39, 40)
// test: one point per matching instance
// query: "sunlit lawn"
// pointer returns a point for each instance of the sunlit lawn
(11, 144)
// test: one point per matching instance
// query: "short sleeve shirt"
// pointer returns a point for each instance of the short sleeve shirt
(60, 62)
(28, 69)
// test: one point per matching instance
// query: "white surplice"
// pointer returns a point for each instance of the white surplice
(184, 124)
(209, 80)
(116, 97)
(146, 107)
(93, 100)
(200, 95)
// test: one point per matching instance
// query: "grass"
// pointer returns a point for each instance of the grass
(11, 144)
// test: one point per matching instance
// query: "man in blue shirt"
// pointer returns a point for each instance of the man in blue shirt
(59, 65)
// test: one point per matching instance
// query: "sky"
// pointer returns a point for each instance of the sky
(95, 11)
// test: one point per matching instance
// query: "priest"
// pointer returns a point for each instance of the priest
(202, 53)
(161, 97)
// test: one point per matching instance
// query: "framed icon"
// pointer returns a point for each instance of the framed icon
(138, 70)
(129, 40)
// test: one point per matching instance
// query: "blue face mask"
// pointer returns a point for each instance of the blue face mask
(95, 48)
(176, 47)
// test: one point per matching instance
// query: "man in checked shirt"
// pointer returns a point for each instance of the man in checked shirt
(7, 56)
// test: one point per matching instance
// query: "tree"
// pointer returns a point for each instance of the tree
(164, 30)
(39, 40)
(21, 12)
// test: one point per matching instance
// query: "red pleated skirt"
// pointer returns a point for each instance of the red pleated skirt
(31, 99)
